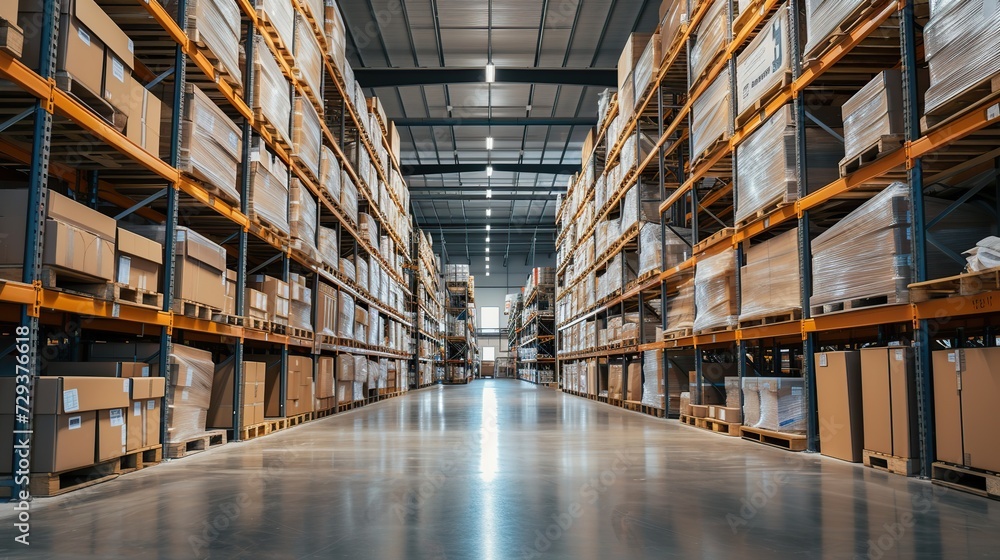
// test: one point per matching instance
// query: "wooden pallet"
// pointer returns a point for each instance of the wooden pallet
(968, 284)
(222, 73)
(973, 481)
(865, 11)
(786, 199)
(897, 298)
(689, 420)
(277, 135)
(781, 440)
(972, 99)
(11, 38)
(67, 281)
(718, 144)
(54, 484)
(197, 444)
(713, 239)
(787, 316)
(715, 330)
(255, 431)
(304, 334)
(889, 463)
(653, 411)
(724, 428)
(268, 29)
(277, 328)
(262, 224)
(96, 103)
(635, 406)
(141, 458)
(257, 324)
(225, 319)
(324, 413)
(194, 309)
(127, 294)
(881, 147)
(766, 96)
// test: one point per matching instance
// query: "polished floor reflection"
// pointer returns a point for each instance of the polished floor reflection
(505, 470)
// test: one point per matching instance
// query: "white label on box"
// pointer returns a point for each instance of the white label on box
(124, 437)
(184, 395)
(137, 408)
(205, 121)
(234, 141)
(150, 404)
(822, 360)
(145, 371)
(83, 35)
(126, 385)
(992, 112)
(75, 422)
(899, 355)
(131, 46)
(190, 376)
(951, 357)
(71, 400)
(124, 269)
(117, 418)
(118, 69)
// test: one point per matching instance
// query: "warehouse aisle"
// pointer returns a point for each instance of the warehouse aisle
(501, 469)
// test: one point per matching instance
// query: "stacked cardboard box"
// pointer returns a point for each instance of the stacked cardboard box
(272, 97)
(966, 391)
(711, 33)
(299, 397)
(615, 381)
(325, 386)
(875, 111)
(200, 265)
(715, 291)
(711, 115)
(770, 278)
(256, 305)
(336, 37)
(307, 135)
(139, 261)
(308, 68)
(889, 399)
(962, 40)
(345, 316)
(326, 310)
(277, 293)
(330, 173)
(220, 411)
(303, 214)
(78, 241)
(215, 24)
(268, 190)
(211, 143)
(145, 117)
(11, 36)
(839, 405)
(300, 303)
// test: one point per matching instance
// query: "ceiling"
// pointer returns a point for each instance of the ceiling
(517, 34)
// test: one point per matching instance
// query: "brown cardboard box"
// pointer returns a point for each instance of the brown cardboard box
(8, 11)
(68, 211)
(139, 261)
(97, 369)
(614, 381)
(255, 304)
(838, 390)
(200, 272)
(112, 433)
(634, 387)
(732, 415)
(345, 367)
(220, 411)
(699, 410)
(947, 382)
(980, 389)
(144, 115)
(65, 395)
(325, 378)
(79, 251)
(889, 389)
(60, 442)
(634, 46)
(229, 304)
(144, 391)
(277, 292)
(151, 414)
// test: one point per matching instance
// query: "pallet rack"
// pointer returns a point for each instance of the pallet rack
(429, 313)
(514, 329)
(535, 333)
(103, 168)
(461, 347)
(699, 196)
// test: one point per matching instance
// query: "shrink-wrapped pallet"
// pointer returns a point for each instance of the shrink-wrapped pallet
(326, 310)
(189, 392)
(300, 308)
(368, 229)
(680, 308)
(845, 270)
(769, 281)
(330, 173)
(766, 63)
(214, 24)
(766, 172)
(349, 197)
(715, 291)
(280, 16)
(710, 39)
(347, 268)
(308, 67)
(336, 34)
(210, 143)
(962, 42)
(268, 190)
(328, 247)
(272, 95)
(631, 53)
(751, 400)
(733, 392)
(345, 316)
(373, 324)
(875, 111)
(823, 19)
(361, 365)
(361, 271)
(653, 244)
(307, 135)
(782, 404)
(711, 116)
(653, 388)
(303, 214)
(646, 68)
(673, 16)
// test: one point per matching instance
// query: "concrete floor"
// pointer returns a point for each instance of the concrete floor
(503, 470)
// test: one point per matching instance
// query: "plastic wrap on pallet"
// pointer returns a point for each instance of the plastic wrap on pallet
(715, 291)
(626, 106)
(984, 256)
(336, 33)
(361, 268)
(648, 63)
(824, 17)
(269, 189)
(272, 92)
(328, 247)
(962, 41)
(280, 15)
(361, 369)
(680, 308)
(782, 404)
(711, 35)
(210, 143)
(769, 281)
(374, 278)
(711, 115)
(733, 392)
(345, 316)
(653, 388)
(373, 331)
(844, 270)
(326, 310)
(347, 269)
(307, 134)
(766, 62)
(875, 111)
(671, 25)
(216, 25)
(303, 213)
(349, 197)
(751, 401)
(189, 393)
(300, 313)
(329, 173)
(368, 229)
(308, 68)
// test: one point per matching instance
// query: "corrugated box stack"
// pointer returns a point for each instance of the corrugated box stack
(770, 279)
(715, 292)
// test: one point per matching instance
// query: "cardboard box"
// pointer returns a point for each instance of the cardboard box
(345, 367)
(139, 261)
(947, 385)
(144, 118)
(633, 388)
(220, 411)
(277, 293)
(888, 385)
(325, 377)
(634, 46)
(229, 304)
(97, 369)
(839, 394)
(112, 433)
(61, 442)
(699, 410)
(966, 392)
(8, 11)
(615, 381)
(79, 251)
(147, 394)
(732, 415)
(200, 271)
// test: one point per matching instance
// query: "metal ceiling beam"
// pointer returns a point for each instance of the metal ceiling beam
(511, 121)
(501, 197)
(550, 168)
(398, 77)
(462, 227)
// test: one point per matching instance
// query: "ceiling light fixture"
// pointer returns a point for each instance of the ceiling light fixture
(489, 143)
(487, 267)
(487, 259)
(487, 249)
(489, 193)
(491, 73)
(489, 170)
(487, 227)
(489, 212)
(487, 273)
(487, 240)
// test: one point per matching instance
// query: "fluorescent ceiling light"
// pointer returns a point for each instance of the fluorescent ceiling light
(489, 171)
(489, 193)
(487, 249)
(487, 259)
(489, 212)
(489, 143)
(487, 273)
(487, 227)
(491, 73)
(487, 240)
